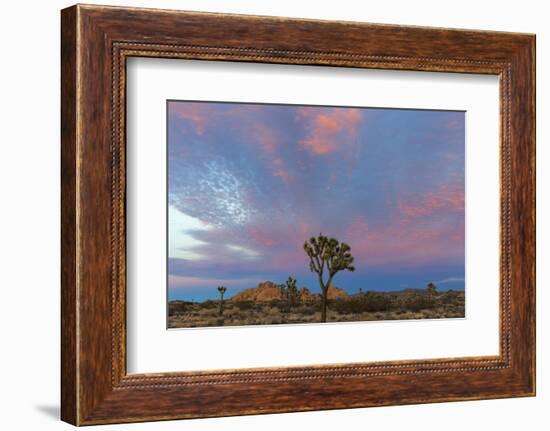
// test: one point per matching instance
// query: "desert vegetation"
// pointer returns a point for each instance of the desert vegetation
(363, 306)
(285, 303)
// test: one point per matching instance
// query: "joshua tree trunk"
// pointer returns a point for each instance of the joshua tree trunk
(324, 305)
(324, 301)
(220, 311)
(221, 290)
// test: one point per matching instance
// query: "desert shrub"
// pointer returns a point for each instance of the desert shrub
(271, 311)
(308, 308)
(452, 297)
(176, 307)
(368, 302)
(377, 301)
(417, 301)
(344, 306)
(278, 303)
(209, 304)
(245, 305)
(348, 305)
(205, 312)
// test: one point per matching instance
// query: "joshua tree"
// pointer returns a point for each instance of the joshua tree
(221, 290)
(284, 295)
(291, 292)
(432, 289)
(330, 254)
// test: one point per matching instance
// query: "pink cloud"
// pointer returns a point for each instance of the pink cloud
(445, 198)
(319, 146)
(280, 170)
(415, 244)
(329, 131)
(262, 237)
(358, 228)
(268, 141)
(265, 137)
(194, 113)
(453, 124)
(413, 234)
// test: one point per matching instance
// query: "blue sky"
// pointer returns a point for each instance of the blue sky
(249, 183)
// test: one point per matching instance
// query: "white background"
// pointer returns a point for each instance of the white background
(151, 348)
(29, 228)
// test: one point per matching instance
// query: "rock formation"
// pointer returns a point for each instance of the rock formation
(268, 291)
(265, 291)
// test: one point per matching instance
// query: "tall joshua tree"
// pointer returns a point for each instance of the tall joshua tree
(221, 290)
(331, 255)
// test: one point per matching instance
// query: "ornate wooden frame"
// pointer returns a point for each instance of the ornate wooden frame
(95, 42)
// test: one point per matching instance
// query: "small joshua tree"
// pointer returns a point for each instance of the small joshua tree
(432, 289)
(284, 296)
(221, 290)
(291, 292)
(330, 254)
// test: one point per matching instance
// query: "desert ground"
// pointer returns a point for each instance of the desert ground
(266, 305)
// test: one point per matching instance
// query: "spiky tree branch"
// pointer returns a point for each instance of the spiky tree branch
(329, 253)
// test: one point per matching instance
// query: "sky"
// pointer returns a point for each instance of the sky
(249, 183)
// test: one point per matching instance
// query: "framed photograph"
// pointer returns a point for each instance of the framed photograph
(250, 186)
(323, 214)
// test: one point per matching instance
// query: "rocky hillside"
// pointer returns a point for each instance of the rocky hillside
(336, 293)
(265, 291)
(268, 291)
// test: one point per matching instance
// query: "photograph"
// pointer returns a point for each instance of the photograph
(303, 214)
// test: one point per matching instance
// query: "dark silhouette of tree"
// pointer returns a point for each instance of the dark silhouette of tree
(283, 303)
(432, 289)
(327, 254)
(221, 290)
(291, 292)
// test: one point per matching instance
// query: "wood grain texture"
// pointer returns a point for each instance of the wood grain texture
(69, 366)
(96, 41)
